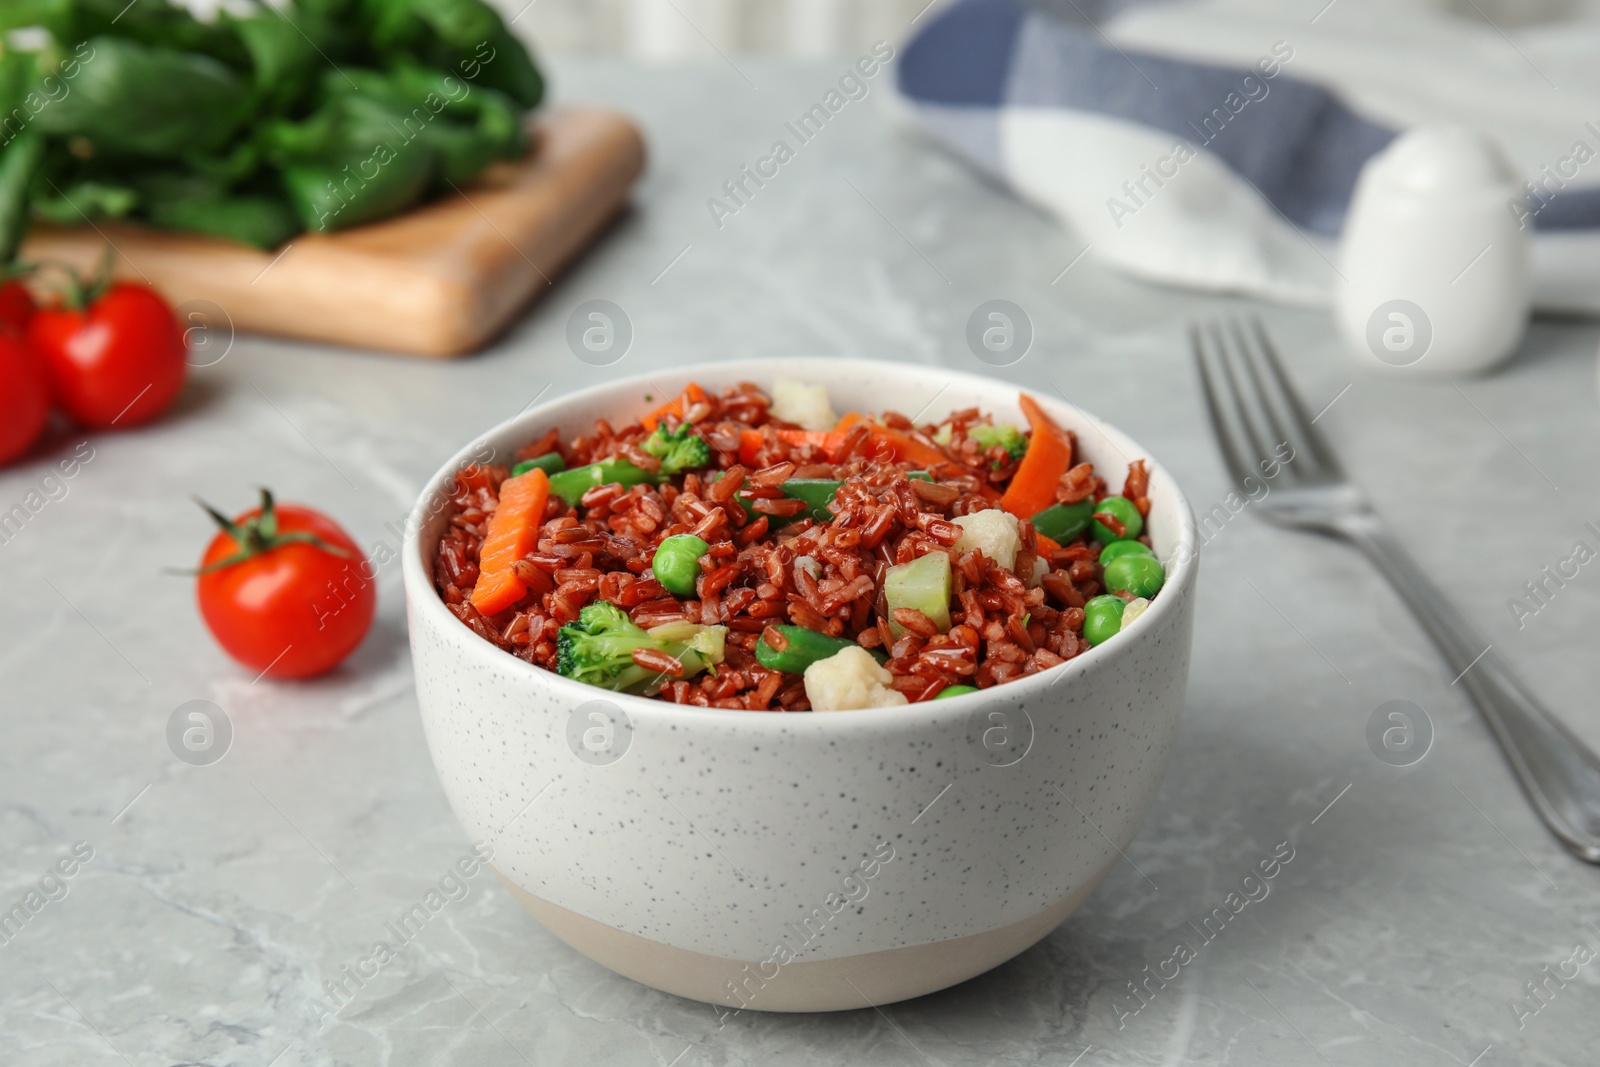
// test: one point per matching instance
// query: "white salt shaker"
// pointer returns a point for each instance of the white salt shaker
(1434, 262)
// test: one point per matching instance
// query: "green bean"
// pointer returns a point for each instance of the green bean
(570, 485)
(816, 492)
(802, 648)
(1102, 618)
(550, 463)
(1062, 522)
(677, 563)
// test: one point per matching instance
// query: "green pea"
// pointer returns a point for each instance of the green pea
(1102, 618)
(1124, 511)
(677, 563)
(955, 691)
(1118, 549)
(1136, 574)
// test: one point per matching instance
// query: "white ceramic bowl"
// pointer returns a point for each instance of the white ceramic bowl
(797, 862)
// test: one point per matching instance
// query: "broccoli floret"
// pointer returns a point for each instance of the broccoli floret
(1005, 435)
(598, 649)
(678, 450)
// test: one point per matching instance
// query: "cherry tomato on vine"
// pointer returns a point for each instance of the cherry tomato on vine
(115, 353)
(24, 397)
(284, 590)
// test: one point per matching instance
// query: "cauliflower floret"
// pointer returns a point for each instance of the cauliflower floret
(804, 405)
(1041, 567)
(992, 532)
(1135, 608)
(850, 679)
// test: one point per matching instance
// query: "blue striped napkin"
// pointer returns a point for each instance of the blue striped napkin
(1215, 146)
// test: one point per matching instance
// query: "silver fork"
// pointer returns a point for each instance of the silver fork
(1254, 410)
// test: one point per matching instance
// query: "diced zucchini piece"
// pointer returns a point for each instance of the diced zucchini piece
(923, 584)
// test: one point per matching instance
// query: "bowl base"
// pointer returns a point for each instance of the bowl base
(850, 982)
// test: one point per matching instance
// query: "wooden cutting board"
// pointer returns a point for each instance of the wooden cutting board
(441, 280)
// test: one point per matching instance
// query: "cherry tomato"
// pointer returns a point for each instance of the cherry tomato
(16, 306)
(24, 397)
(285, 591)
(119, 362)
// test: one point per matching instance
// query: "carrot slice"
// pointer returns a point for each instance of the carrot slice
(751, 442)
(513, 533)
(835, 437)
(1049, 455)
(692, 394)
(826, 442)
(903, 446)
(1046, 546)
(908, 449)
(819, 439)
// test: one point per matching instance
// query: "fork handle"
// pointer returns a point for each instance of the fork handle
(1557, 770)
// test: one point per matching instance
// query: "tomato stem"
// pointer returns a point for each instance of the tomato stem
(101, 280)
(259, 535)
(16, 270)
(78, 291)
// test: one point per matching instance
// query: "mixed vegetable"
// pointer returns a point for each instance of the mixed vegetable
(268, 120)
(605, 648)
(751, 550)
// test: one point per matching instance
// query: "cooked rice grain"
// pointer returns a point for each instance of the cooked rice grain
(824, 577)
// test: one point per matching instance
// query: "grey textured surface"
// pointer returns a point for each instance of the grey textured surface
(1412, 913)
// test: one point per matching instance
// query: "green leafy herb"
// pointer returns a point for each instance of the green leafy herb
(255, 126)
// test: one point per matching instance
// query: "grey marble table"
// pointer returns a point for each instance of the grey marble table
(218, 900)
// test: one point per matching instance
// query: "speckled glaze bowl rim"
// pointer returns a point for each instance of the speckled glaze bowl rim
(421, 596)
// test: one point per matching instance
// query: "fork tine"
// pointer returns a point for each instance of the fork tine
(1314, 442)
(1237, 468)
(1244, 410)
(1278, 408)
